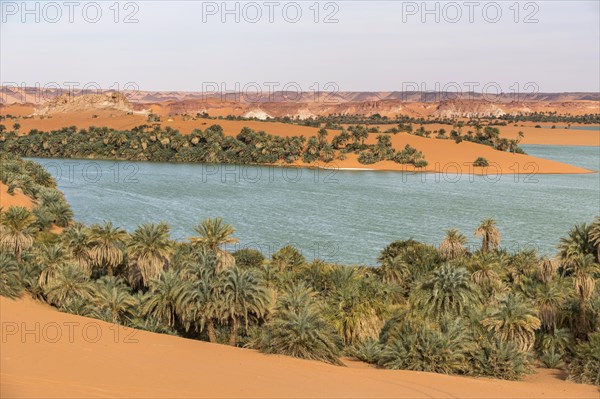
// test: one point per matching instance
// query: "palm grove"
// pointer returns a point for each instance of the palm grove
(441, 309)
(153, 143)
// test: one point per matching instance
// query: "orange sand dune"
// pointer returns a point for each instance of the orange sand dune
(79, 357)
(553, 136)
(447, 156)
(19, 199)
(17, 109)
(533, 135)
(442, 155)
(543, 136)
(119, 120)
(456, 160)
(82, 120)
(16, 199)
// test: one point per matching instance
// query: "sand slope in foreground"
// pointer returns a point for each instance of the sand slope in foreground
(130, 363)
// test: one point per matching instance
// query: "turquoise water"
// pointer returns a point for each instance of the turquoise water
(597, 128)
(343, 216)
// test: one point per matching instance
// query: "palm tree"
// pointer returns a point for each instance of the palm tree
(288, 257)
(586, 362)
(440, 350)
(513, 321)
(51, 257)
(489, 233)
(61, 213)
(549, 298)
(213, 233)
(453, 245)
(322, 136)
(521, 267)
(69, 284)
(447, 291)
(16, 230)
(403, 262)
(557, 340)
(295, 297)
(43, 218)
(112, 300)
(11, 285)
(199, 302)
(302, 334)
(485, 270)
(150, 249)
(546, 269)
(297, 329)
(394, 270)
(576, 243)
(163, 295)
(243, 296)
(355, 303)
(107, 246)
(584, 270)
(595, 236)
(77, 241)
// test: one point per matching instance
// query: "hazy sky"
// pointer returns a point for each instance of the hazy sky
(384, 45)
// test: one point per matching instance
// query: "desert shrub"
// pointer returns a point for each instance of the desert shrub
(409, 155)
(368, 351)
(498, 359)
(367, 157)
(481, 162)
(153, 118)
(50, 196)
(288, 257)
(551, 359)
(30, 275)
(60, 213)
(248, 258)
(149, 323)
(423, 351)
(427, 348)
(405, 262)
(43, 218)
(11, 284)
(585, 367)
(298, 329)
(112, 301)
(559, 341)
(68, 285)
(303, 334)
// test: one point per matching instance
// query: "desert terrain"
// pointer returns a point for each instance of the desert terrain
(17, 198)
(98, 359)
(115, 111)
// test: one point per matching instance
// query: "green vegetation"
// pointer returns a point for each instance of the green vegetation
(487, 135)
(446, 309)
(151, 143)
(335, 121)
(585, 367)
(481, 162)
(551, 117)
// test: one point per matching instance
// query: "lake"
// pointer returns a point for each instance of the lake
(339, 216)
